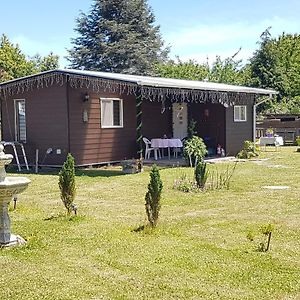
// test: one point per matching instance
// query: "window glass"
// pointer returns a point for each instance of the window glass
(111, 113)
(240, 114)
(116, 113)
(20, 121)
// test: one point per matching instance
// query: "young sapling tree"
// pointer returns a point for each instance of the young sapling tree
(153, 196)
(67, 184)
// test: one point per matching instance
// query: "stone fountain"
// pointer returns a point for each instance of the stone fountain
(9, 187)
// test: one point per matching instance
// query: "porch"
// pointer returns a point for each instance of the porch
(178, 120)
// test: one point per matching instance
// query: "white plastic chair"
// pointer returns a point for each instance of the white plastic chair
(148, 148)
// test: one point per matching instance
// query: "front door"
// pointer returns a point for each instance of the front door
(180, 122)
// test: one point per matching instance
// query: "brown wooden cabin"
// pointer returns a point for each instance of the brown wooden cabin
(285, 125)
(100, 117)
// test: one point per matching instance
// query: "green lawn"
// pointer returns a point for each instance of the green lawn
(198, 251)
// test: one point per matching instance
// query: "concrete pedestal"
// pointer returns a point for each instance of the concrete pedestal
(6, 238)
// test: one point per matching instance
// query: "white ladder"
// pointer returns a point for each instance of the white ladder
(14, 144)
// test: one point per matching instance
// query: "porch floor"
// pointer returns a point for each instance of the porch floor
(181, 162)
(165, 162)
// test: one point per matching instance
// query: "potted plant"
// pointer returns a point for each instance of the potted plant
(269, 132)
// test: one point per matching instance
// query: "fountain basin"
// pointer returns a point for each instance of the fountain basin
(12, 185)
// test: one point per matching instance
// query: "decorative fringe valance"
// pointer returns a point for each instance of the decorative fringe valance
(100, 84)
(196, 96)
(29, 84)
(159, 94)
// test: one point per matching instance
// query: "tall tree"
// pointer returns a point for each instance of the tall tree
(276, 64)
(49, 62)
(118, 36)
(190, 70)
(228, 70)
(13, 62)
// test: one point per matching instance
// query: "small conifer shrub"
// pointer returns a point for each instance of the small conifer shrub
(201, 174)
(67, 183)
(153, 196)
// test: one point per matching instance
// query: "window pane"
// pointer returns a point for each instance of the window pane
(236, 113)
(20, 121)
(243, 113)
(116, 108)
(240, 113)
(111, 112)
(106, 113)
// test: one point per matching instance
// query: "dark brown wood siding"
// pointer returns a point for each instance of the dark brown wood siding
(54, 119)
(91, 144)
(46, 123)
(156, 123)
(238, 132)
(210, 123)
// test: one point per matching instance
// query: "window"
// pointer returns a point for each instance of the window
(20, 121)
(240, 114)
(111, 113)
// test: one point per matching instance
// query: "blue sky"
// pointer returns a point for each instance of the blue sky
(195, 29)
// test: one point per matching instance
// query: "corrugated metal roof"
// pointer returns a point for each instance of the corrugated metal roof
(172, 83)
(157, 82)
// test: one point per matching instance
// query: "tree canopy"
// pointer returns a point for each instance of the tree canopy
(228, 70)
(276, 64)
(49, 62)
(118, 36)
(190, 70)
(15, 64)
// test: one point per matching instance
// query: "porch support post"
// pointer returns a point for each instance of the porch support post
(254, 123)
(139, 125)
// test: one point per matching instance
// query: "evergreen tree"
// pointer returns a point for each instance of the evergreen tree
(153, 196)
(201, 174)
(67, 183)
(118, 36)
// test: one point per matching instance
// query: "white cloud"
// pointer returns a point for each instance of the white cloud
(198, 42)
(202, 40)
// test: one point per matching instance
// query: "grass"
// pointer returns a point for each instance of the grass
(198, 251)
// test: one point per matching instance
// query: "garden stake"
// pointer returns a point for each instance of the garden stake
(15, 202)
(269, 240)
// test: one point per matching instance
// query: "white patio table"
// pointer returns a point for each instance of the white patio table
(165, 143)
(274, 140)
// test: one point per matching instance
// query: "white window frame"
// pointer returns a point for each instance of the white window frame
(237, 113)
(17, 137)
(121, 112)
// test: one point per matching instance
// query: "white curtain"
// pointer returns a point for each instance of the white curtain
(106, 113)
